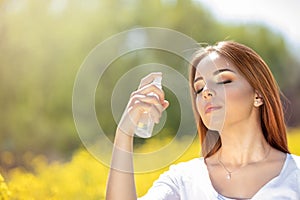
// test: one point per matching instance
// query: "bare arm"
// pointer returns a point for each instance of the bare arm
(121, 184)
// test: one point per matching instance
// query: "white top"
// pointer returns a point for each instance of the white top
(190, 181)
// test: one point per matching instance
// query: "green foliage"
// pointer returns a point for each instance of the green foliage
(43, 43)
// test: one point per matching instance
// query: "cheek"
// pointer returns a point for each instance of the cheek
(199, 105)
(219, 99)
(239, 99)
(215, 120)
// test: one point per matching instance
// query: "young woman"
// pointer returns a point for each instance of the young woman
(240, 121)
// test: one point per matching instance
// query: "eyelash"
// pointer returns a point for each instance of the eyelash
(222, 82)
(198, 91)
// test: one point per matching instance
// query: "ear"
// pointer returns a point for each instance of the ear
(258, 100)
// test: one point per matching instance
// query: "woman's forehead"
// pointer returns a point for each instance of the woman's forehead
(211, 63)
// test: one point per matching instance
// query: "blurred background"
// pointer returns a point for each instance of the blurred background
(44, 42)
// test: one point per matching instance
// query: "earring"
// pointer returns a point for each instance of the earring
(258, 101)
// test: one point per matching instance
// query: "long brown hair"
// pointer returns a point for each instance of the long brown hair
(259, 76)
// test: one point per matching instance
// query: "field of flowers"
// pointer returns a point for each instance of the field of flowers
(84, 177)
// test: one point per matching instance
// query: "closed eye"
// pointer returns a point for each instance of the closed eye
(199, 91)
(224, 82)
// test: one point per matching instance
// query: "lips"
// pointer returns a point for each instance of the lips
(210, 108)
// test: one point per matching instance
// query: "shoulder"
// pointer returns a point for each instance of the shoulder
(295, 159)
(178, 174)
(294, 170)
(185, 180)
(291, 167)
(186, 173)
(187, 170)
(193, 164)
(186, 167)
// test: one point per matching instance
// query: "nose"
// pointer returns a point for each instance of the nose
(208, 93)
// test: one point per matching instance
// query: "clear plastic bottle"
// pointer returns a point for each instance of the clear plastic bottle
(145, 125)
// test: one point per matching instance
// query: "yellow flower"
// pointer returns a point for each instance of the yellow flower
(4, 192)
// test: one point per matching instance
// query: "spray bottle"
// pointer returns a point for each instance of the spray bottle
(145, 125)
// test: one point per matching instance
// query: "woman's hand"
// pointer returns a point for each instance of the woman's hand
(121, 184)
(147, 98)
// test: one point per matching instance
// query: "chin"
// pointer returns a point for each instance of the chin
(214, 127)
(214, 124)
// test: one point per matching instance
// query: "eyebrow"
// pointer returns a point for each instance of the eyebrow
(222, 70)
(198, 79)
(215, 73)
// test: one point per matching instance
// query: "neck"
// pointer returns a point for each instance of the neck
(243, 145)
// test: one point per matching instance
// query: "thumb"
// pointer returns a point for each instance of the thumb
(165, 104)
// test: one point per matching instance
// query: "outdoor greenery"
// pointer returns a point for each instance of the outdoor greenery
(85, 178)
(43, 43)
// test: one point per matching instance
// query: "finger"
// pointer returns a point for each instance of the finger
(150, 90)
(156, 113)
(149, 78)
(165, 104)
(147, 103)
(132, 114)
(151, 100)
(140, 107)
(148, 99)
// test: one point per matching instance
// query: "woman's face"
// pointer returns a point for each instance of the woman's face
(224, 97)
